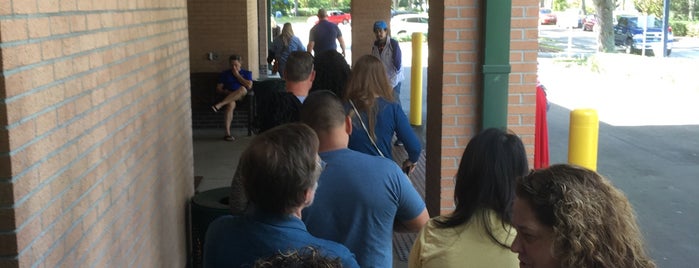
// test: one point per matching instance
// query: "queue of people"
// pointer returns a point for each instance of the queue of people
(321, 186)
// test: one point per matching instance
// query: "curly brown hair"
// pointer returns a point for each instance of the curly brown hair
(594, 224)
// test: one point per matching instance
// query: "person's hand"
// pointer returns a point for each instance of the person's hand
(408, 167)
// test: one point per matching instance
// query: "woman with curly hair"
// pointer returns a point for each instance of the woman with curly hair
(376, 117)
(569, 216)
(478, 233)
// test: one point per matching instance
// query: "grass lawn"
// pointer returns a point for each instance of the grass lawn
(285, 19)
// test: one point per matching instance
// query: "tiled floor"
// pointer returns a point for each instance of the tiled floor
(216, 160)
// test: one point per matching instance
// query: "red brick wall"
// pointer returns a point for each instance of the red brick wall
(223, 27)
(524, 47)
(364, 14)
(96, 143)
(454, 86)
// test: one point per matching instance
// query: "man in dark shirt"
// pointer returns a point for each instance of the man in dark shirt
(283, 107)
(322, 36)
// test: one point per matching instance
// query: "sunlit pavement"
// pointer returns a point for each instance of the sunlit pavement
(630, 90)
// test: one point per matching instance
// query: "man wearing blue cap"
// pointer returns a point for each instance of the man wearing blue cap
(388, 51)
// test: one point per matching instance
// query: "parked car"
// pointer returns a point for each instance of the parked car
(334, 16)
(407, 24)
(589, 23)
(337, 17)
(546, 16)
(628, 32)
(401, 12)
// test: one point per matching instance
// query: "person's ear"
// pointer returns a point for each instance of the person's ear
(310, 194)
(348, 125)
(312, 76)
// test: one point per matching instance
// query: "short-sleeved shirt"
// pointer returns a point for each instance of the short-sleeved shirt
(229, 81)
(465, 245)
(359, 196)
(324, 35)
(238, 241)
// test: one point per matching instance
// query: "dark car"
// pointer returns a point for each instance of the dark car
(589, 23)
(546, 16)
(628, 32)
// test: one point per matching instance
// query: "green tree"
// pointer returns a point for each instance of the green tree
(650, 7)
(605, 37)
(684, 9)
(560, 4)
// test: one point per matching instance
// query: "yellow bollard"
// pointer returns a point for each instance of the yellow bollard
(416, 82)
(583, 138)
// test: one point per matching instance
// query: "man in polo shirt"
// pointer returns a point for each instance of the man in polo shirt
(233, 85)
(279, 171)
(322, 36)
(361, 199)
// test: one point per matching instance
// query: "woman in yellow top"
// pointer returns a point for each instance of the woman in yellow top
(478, 233)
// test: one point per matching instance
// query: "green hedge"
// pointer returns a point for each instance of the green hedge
(685, 28)
(312, 11)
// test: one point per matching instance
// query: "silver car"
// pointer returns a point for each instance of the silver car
(406, 24)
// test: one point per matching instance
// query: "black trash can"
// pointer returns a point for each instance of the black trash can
(205, 208)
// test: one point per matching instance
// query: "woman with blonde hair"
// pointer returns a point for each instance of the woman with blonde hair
(376, 117)
(283, 45)
(569, 216)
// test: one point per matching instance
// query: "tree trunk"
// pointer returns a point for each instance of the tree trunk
(691, 10)
(582, 6)
(605, 38)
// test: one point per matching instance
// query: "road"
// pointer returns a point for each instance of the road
(585, 43)
(648, 147)
(657, 167)
(648, 133)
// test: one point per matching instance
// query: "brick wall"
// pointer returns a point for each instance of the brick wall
(96, 143)
(524, 49)
(223, 27)
(455, 84)
(364, 14)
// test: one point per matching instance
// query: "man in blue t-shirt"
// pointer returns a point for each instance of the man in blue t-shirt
(233, 85)
(322, 36)
(361, 199)
(279, 172)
